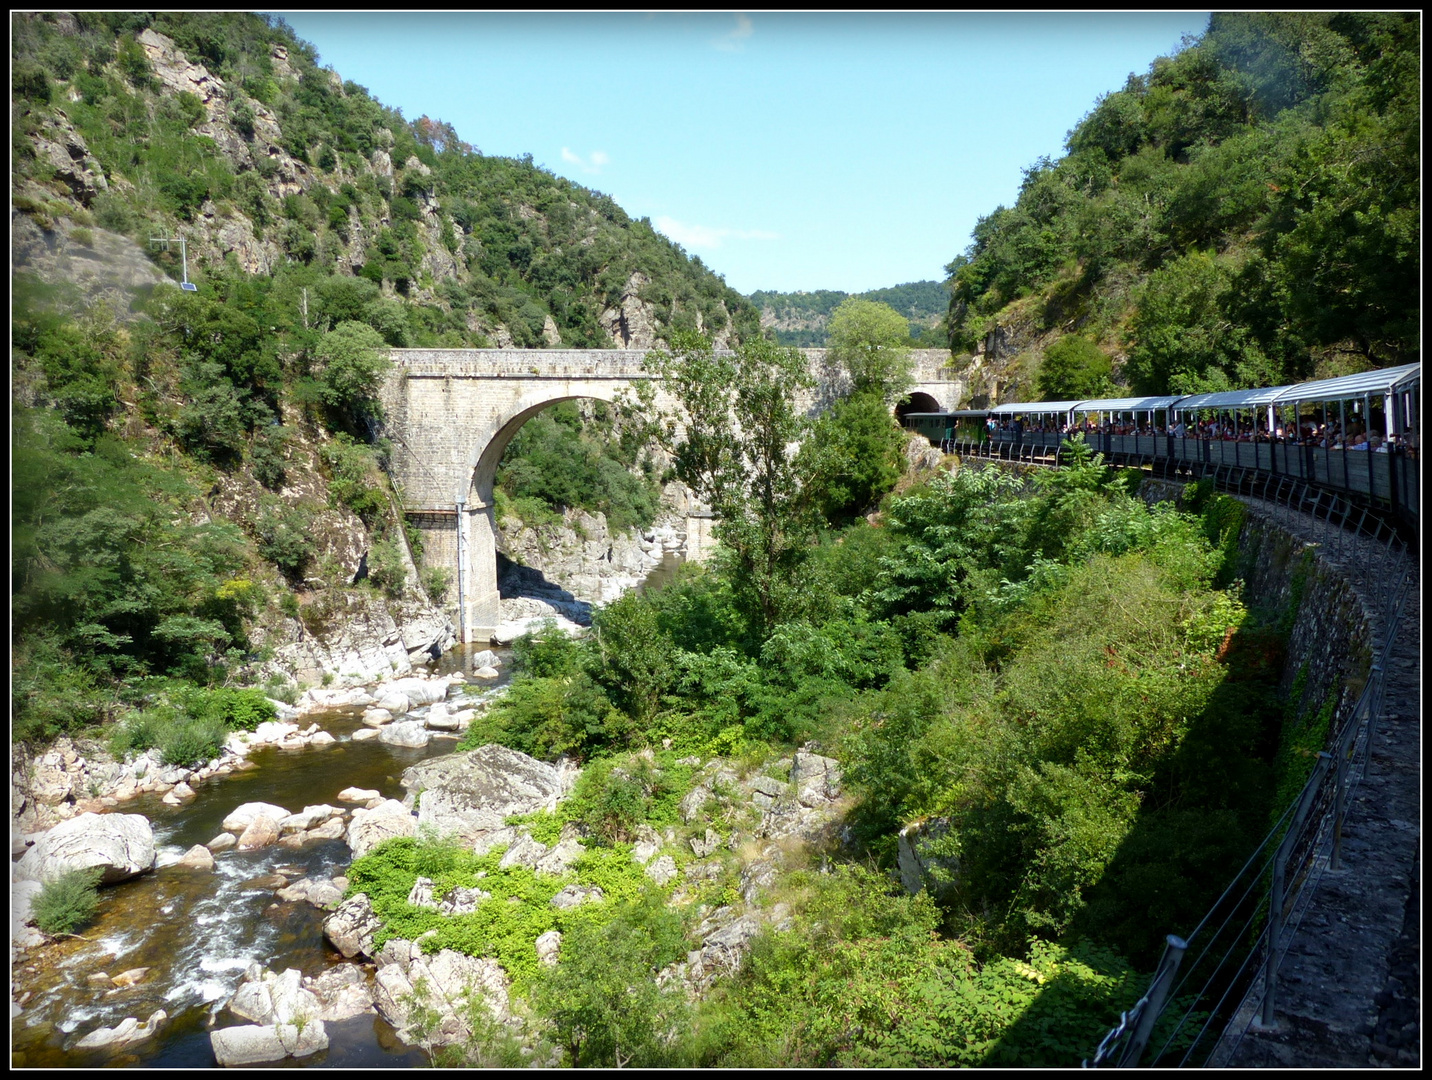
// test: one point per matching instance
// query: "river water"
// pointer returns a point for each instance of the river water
(198, 930)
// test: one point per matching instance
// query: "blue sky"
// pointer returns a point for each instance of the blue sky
(790, 151)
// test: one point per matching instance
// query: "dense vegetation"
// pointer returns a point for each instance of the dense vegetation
(1060, 680)
(1060, 683)
(133, 411)
(127, 590)
(1245, 214)
(801, 318)
(600, 464)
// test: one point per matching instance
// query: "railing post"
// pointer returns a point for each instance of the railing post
(1375, 677)
(1340, 805)
(1275, 932)
(1157, 997)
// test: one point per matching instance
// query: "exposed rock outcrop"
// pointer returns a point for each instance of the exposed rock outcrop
(60, 146)
(129, 1030)
(449, 982)
(472, 793)
(631, 322)
(351, 928)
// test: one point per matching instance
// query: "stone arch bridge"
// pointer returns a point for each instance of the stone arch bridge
(450, 414)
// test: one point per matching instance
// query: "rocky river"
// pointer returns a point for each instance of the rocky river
(222, 935)
(153, 975)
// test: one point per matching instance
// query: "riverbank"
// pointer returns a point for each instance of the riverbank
(190, 928)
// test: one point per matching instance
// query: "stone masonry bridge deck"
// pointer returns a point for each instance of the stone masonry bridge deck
(451, 413)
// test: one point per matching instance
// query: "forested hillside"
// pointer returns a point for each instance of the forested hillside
(224, 129)
(1246, 213)
(800, 318)
(199, 479)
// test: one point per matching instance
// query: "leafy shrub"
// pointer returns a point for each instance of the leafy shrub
(133, 62)
(436, 581)
(183, 737)
(601, 1000)
(285, 539)
(191, 740)
(29, 80)
(353, 478)
(386, 571)
(237, 710)
(185, 193)
(266, 457)
(242, 116)
(614, 796)
(68, 903)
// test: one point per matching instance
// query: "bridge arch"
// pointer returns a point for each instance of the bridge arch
(451, 414)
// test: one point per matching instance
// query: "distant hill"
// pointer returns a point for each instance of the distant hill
(799, 318)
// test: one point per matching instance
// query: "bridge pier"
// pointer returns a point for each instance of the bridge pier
(478, 610)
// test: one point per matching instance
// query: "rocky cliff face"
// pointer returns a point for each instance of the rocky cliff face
(592, 562)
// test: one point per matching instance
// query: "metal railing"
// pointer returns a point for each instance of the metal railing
(1390, 487)
(1231, 983)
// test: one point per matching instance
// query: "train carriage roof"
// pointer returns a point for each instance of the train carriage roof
(1353, 386)
(1126, 404)
(1034, 407)
(1232, 399)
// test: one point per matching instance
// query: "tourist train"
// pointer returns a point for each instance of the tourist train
(1357, 434)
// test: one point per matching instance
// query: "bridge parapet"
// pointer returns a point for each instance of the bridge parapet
(930, 365)
(522, 363)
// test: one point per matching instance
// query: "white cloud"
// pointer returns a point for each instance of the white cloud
(592, 164)
(735, 41)
(706, 236)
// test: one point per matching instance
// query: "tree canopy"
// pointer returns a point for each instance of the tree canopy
(871, 342)
(1246, 213)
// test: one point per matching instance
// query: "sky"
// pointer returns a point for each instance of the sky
(789, 151)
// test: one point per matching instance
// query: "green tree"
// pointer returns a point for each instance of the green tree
(1075, 368)
(740, 424)
(1182, 339)
(870, 341)
(353, 360)
(852, 458)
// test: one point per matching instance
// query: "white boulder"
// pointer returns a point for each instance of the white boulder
(243, 816)
(405, 733)
(368, 828)
(122, 845)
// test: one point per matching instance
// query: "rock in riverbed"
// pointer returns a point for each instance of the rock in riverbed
(121, 845)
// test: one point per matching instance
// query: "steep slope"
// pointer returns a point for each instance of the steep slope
(1247, 213)
(199, 489)
(223, 129)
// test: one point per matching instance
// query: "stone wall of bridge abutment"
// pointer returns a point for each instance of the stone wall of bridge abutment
(450, 414)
